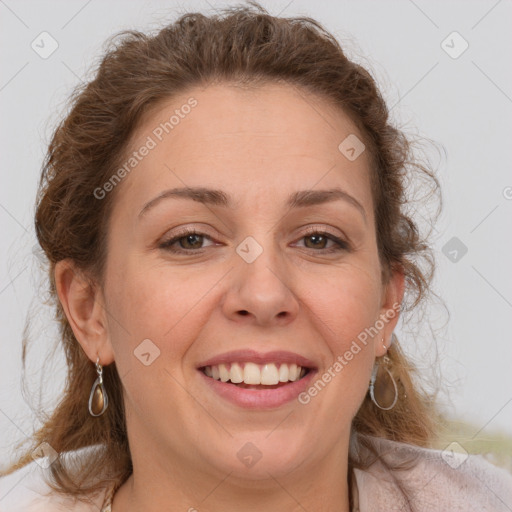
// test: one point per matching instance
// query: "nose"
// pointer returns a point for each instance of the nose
(260, 292)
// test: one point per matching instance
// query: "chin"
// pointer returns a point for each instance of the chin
(260, 457)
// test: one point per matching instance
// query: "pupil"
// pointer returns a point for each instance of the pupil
(316, 238)
(190, 239)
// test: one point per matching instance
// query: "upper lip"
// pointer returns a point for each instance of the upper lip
(251, 356)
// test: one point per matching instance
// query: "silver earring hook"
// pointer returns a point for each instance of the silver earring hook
(98, 395)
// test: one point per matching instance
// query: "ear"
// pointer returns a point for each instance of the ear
(392, 297)
(82, 302)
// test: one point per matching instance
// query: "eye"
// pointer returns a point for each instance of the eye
(188, 240)
(319, 238)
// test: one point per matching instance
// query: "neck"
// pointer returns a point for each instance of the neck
(153, 487)
(228, 496)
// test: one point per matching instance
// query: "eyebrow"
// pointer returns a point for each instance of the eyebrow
(215, 197)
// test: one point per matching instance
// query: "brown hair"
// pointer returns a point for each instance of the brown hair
(243, 45)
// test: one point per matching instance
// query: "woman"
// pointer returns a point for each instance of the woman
(223, 211)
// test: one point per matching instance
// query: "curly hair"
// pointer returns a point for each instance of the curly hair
(241, 45)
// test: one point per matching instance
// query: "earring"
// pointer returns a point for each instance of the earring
(98, 399)
(373, 378)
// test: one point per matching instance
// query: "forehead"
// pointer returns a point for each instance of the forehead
(271, 109)
(260, 139)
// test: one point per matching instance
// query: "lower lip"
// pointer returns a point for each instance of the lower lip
(259, 398)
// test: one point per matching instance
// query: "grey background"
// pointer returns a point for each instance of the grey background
(463, 104)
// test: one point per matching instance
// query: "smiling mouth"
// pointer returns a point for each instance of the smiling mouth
(256, 376)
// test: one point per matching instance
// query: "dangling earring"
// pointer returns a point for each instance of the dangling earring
(98, 399)
(385, 365)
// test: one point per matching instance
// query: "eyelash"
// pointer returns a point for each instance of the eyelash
(341, 245)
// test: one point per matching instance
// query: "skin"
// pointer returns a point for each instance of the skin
(258, 145)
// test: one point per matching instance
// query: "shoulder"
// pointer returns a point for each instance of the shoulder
(27, 490)
(434, 480)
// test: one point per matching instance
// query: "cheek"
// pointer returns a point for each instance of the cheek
(166, 307)
(345, 303)
(155, 319)
(346, 310)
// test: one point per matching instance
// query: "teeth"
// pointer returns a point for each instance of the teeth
(268, 374)
(223, 373)
(252, 374)
(236, 374)
(294, 374)
(284, 372)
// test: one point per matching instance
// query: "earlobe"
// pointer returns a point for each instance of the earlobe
(81, 301)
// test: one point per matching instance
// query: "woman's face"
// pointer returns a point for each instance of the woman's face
(263, 274)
